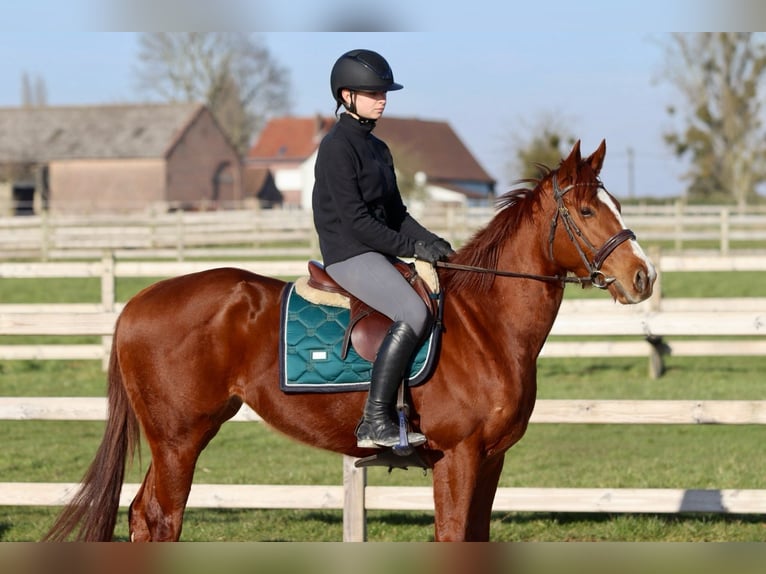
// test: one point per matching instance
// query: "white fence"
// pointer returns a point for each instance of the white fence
(258, 233)
(354, 497)
(646, 326)
(658, 317)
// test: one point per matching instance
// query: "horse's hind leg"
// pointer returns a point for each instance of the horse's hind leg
(156, 513)
(137, 522)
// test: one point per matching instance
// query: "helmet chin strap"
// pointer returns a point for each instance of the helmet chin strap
(351, 107)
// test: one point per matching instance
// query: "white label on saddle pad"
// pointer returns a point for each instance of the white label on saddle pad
(318, 355)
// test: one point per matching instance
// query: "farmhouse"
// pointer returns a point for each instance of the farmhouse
(432, 161)
(115, 158)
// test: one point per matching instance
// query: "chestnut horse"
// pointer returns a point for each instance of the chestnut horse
(188, 351)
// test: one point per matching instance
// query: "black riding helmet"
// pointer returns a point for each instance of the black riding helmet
(362, 71)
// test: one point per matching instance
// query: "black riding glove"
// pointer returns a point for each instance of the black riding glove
(428, 252)
(443, 246)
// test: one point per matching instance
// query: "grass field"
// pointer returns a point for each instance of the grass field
(658, 456)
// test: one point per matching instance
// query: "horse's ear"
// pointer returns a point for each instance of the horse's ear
(596, 159)
(568, 167)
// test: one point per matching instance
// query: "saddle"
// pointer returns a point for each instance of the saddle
(367, 327)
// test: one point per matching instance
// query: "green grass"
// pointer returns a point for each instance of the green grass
(67, 289)
(613, 456)
(695, 284)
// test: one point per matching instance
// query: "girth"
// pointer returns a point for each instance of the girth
(367, 327)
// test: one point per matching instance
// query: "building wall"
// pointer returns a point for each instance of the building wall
(200, 157)
(125, 185)
(307, 180)
(289, 178)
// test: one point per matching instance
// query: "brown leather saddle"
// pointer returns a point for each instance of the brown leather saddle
(367, 327)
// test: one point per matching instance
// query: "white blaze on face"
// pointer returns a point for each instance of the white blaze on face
(607, 200)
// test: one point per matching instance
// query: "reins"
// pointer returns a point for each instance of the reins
(596, 277)
(500, 273)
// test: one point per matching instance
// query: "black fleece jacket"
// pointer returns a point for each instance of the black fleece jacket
(356, 201)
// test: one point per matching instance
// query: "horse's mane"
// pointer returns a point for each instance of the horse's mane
(483, 249)
(513, 207)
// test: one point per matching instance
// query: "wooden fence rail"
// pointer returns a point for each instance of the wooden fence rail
(637, 330)
(257, 233)
(649, 332)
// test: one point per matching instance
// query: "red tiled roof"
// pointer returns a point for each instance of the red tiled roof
(436, 147)
(290, 138)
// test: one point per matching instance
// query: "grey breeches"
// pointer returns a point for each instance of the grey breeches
(374, 280)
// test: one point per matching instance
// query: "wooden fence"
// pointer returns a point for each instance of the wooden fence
(637, 330)
(657, 317)
(258, 233)
(354, 497)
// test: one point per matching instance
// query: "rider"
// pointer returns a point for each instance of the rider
(363, 225)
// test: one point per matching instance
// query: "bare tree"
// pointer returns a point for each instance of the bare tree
(721, 78)
(542, 144)
(232, 73)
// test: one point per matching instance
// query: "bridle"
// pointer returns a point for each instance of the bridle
(595, 277)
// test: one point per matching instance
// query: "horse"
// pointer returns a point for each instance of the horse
(188, 351)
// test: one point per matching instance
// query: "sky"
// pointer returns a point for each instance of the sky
(594, 67)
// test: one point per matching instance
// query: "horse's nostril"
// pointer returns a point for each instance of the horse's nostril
(640, 282)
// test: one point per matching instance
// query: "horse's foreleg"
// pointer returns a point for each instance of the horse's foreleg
(480, 514)
(455, 477)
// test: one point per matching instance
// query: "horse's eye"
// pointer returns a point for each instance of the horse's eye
(586, 211)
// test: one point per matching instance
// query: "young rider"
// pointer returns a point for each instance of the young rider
(363, 225)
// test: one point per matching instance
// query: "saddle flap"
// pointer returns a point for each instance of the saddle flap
(366, 330)
(367, 327)
(321, 280)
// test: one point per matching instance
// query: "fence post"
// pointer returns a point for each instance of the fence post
(725, 231)
(679, 225)
(179, 235)
(107, 300)
(354, 513)
(657, 347)
(45, 235)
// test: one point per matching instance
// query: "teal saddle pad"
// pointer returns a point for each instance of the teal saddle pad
(311, 345)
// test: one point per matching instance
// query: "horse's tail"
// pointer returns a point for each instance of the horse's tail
(92, 512)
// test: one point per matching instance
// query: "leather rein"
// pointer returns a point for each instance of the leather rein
(596, 277)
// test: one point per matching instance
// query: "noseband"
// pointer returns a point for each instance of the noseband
(595, 277)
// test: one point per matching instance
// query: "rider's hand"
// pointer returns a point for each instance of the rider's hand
(427, 252)
(443, 246)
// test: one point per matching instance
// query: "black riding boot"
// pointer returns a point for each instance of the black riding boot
(377, 427)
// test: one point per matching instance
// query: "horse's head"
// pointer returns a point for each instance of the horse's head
(588, 236)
